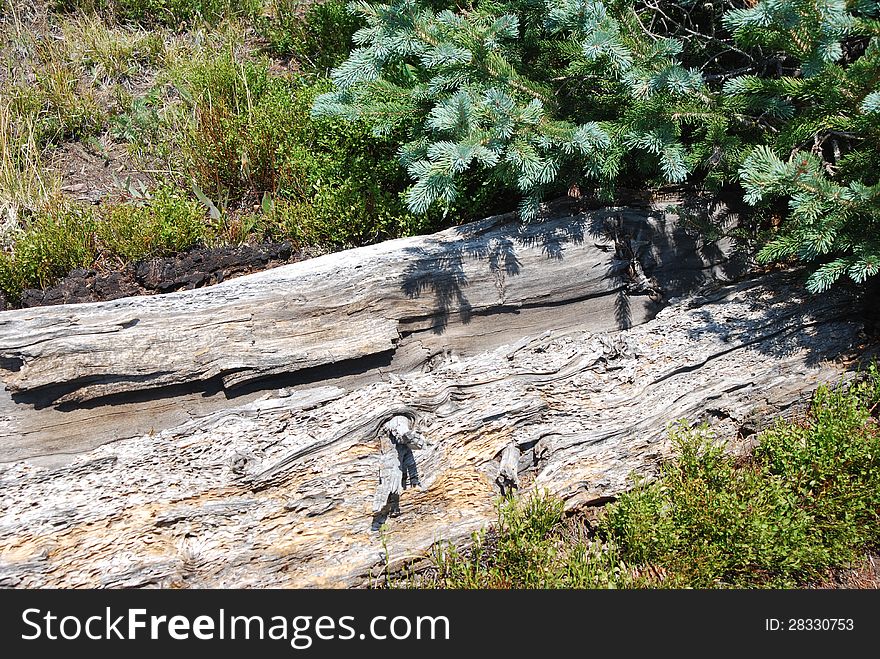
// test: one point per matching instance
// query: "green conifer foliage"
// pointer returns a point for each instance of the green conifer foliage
(780, 98)
(484, 86)
(821, 145)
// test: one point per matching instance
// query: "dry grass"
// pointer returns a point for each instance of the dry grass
(110, 53)
(25, 185)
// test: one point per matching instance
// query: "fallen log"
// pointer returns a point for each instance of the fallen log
(285, 428)
(98, 372)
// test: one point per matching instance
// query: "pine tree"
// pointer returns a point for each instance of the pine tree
(822, 108)
(470, 77)
(782, 98)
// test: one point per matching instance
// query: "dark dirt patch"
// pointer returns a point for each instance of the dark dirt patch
(194, 269)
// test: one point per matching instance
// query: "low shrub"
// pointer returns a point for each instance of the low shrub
(244, 133)
(709, 522)
(167, 223)
(65, 236)
(809, 500)
(806, 501)
(831, 463)
(54, 242)
(241, 121)
(317, 35)
(532, 546)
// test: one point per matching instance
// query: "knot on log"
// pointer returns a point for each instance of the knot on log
(398, 469)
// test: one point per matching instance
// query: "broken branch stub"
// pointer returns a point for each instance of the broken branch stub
(398, 468)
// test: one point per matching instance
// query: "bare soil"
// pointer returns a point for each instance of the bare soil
(864, 575)
(92, 175)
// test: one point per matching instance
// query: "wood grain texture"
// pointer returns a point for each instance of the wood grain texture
(78, 376)
(291, 486)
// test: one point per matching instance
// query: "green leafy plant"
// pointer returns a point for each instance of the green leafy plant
(315, 34)
(240, 119)
(805, 502)
(532, 546)
(832, 464)
(244, 133)
(139, 122)
(166, 223)
(716, 523)
(55, 240)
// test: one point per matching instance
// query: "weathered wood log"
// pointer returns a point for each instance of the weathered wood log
(102, 371)
(282, 428)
